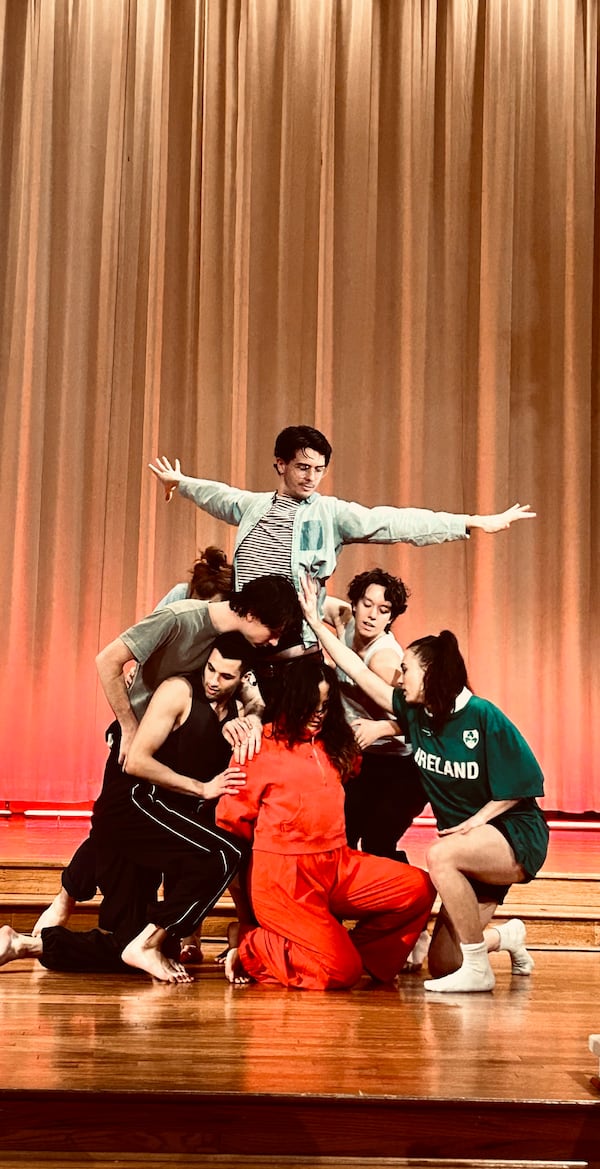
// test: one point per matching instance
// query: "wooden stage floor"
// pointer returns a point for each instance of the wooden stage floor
(119, 1065)
(55, 839)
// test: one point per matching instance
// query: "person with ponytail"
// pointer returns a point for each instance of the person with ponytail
(482, 781)
(304, 879)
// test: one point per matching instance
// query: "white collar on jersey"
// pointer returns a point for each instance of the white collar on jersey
(461, 699)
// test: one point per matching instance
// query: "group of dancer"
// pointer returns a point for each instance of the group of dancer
(331, 763)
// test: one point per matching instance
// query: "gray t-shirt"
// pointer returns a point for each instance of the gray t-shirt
(170, 641)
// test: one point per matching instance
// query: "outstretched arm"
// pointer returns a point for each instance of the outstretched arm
(381, 692)
(498, 523)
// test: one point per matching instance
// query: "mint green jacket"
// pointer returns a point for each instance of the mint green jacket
(323, 524)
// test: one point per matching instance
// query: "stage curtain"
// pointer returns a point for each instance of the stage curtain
(220, 217)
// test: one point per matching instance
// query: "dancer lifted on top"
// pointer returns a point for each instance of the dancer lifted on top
(296, 530)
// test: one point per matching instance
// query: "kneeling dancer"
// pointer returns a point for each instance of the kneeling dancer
(304, 879)
(160, 816)
(481, 779)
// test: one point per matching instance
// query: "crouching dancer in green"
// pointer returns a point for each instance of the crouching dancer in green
(481, 779)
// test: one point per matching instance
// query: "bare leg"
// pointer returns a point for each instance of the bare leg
(483, 853)
(14, 945)
(246, 919)
(145, 953)
(58, 913)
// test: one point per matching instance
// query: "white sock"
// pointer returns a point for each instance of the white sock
(512, 938)
(419, 951)
(475, 974)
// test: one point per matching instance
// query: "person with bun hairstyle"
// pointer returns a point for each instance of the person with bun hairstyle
(211, 579)
(482, 781)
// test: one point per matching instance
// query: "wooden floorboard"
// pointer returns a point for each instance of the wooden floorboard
(561, 907)
(119, 1064)
(43, 840)
(119, 1070)
(16, 1160)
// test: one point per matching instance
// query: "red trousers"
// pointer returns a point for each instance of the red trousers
(298, 901)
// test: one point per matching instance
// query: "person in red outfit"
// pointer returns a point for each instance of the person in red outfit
(304, 878)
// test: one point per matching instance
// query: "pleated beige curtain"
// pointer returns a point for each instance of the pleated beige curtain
(219, 217)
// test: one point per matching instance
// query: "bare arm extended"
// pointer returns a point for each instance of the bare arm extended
(502, 520)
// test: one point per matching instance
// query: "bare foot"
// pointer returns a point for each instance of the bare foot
(144, 952)
(191, 950)
(14, 945)
(58, 913)
(234, 971)
(233, 935)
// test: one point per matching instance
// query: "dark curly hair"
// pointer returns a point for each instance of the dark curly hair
(445, 674)
(394, 589)
(211, 575)
(296, 701)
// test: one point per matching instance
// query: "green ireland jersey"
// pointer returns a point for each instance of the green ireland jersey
(478, 756)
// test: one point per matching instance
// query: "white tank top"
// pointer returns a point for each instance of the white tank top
(358, 705)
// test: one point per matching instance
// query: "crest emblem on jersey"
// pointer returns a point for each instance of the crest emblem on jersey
(470, 738)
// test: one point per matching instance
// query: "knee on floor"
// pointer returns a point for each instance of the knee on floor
(341, 971)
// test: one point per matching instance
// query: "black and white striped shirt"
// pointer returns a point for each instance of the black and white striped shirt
(268, 547)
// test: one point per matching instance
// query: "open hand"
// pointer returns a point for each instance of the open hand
(476, 821)
(227, 783)
(307, 596)
(169, 476)
(497, 523)
(366, 731)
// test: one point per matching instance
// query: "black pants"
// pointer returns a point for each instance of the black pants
(382, 802)
(81, 951)
(80, 878)
(151, 829)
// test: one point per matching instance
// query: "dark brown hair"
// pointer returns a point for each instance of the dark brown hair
(210, 575)
(296, 701)
(445, 674)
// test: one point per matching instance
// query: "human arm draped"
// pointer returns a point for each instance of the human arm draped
(368, 730)
(489, 812)
(167, 709)
(110, 663)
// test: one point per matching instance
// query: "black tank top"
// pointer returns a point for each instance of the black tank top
(197, 748)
